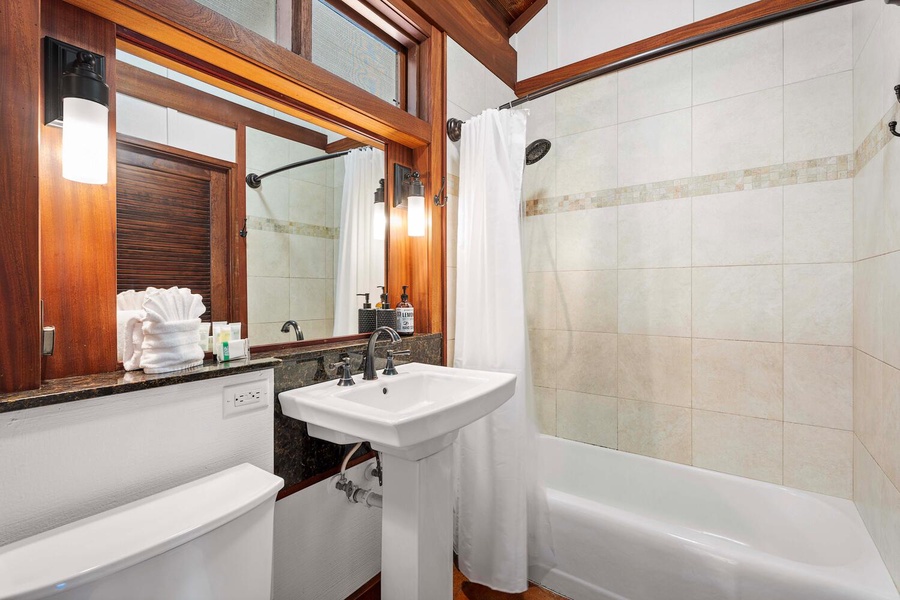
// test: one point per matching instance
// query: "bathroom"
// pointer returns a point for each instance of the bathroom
(650, 361)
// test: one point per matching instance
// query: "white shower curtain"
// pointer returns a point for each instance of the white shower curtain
(360, 256)
(502, 525)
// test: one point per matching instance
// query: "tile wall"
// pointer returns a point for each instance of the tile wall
(293, 221)
(876, 274)
(689, 257)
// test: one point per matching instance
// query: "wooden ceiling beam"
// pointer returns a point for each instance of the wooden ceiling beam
(522, 20)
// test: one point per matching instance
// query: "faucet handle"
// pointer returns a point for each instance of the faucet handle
(389, 368)
(346, 374)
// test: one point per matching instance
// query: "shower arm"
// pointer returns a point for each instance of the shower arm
(254, 180)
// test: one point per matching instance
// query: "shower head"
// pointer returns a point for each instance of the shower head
(536, 150)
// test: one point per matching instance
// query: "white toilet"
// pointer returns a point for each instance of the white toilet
(210, 539)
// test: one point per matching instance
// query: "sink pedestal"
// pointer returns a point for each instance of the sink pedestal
(417, 527)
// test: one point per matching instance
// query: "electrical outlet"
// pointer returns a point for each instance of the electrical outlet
(245, 397)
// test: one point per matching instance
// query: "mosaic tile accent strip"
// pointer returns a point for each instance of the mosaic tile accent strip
(292, 227)
(806, 171)
(876, 140)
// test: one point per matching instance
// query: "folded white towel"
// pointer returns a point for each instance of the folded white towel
(134, 340)
(130, 299)
(173, 304)
(122, 317)
(170, 346)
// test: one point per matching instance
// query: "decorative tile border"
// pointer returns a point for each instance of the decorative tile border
(807, 171)
(876, 140)
(292, 227)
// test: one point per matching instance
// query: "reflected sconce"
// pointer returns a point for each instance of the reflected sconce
(76, 98)
(379, 221)
(409, 192)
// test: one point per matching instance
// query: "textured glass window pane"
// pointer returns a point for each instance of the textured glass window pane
(344, 48)
(255, 15)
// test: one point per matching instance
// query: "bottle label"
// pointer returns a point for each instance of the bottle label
(405, 320)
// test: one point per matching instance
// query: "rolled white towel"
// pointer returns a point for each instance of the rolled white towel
(122, 317)
(172, 304)
(134, 340)
(130, 299)
(170, 346)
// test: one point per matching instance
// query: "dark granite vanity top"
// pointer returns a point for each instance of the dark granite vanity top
(69, 389)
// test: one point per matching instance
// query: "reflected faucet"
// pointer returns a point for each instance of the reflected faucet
(288, 325)
(369, 373)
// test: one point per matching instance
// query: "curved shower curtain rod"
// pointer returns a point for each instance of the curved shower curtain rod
(254, 180)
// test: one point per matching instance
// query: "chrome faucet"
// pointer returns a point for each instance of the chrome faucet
(369, 373)
(288, 325)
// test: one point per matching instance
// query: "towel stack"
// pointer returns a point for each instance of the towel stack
(128, 305)
(163, 337)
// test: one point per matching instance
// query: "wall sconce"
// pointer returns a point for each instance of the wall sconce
(379, 221)
(76, 98)
(409, 192)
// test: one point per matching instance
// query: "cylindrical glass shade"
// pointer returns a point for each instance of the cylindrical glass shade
(415, 218)
(379, 221)
(85, 146)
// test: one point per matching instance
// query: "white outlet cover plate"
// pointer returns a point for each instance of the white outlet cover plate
(245, 397)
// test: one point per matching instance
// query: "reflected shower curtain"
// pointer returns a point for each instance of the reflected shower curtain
(360, 257)
(502, 524)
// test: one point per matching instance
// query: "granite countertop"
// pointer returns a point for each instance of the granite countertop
(70, 389)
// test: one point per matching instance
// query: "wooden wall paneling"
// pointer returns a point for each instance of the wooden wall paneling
(78, 224)
(732, 18)
(343, 144)
(20, 114)
(150, 87)
(237, 222)
(301, 30)
(244, 62)
(468, 26)
(397, 256)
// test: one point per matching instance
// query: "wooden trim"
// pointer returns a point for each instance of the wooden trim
(20, 250)
(315, 342)
(301, 29)
(654, 47)
(370, 590)
(156, 89)
(297, 487)
(475, 32)
(237, 247)
(342, 145)
(522, 20)
(245, 62)
(348, 11)
(394, 23)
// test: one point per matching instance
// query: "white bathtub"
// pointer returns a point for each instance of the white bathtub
(626, 527)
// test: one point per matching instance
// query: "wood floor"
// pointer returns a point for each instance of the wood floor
(463, 589)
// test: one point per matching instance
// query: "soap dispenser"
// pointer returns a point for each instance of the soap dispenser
(405, 315)
(385, 316)
(366, 316)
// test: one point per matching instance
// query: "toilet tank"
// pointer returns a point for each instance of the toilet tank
(210, 539)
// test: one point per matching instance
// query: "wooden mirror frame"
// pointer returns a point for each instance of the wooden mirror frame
(64, 238)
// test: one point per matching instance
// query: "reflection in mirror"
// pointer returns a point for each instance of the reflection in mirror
(183, 147)
(311, 245)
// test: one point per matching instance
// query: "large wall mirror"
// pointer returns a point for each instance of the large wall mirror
(312, 224)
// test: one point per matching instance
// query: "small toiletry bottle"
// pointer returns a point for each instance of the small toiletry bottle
(385, 316)
(405, 315)
(366, 316)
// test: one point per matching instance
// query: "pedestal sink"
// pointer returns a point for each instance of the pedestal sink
(412, 418)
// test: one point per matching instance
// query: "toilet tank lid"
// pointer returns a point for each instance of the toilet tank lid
(101, 545)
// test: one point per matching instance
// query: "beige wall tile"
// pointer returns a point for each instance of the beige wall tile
(818, 304)
(743, 446)
(268, 299)
(586, 106)
(818, 222)
(312, 299)
(656, 430)
(543, 357)
(261, 334)
(886, 448)
(586, 418)
(451, 353)
(866, 15)
(465, 79)
(655, 302)
(541, 119)
(655, 369)
(540, 243)
(891, 182)
(809, 104)
(739, 133)
(268, 254)
(818, 459)
(818, 44)
(656, 148)
(542, 298)
(868, 306)
(539, 179)
(868, 75)
(655, 234)
(656, 87)
(586, 239)
(545, 408)
(868, 398)
(587, 301)
(452, 273)
(869, 233)
(878, 502)
(818, 385)
(758, 56)
(890, 265)
(271, 201)
(311, 257)
(265, 151)
(586, 362)
(310, 202)
(586, 162)
(741, 378)
(740, 228)
(738, 303)
(320, 173)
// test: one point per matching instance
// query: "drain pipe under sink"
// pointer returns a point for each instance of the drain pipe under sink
(355, 493)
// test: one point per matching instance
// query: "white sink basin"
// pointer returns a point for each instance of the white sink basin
(411, 415)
